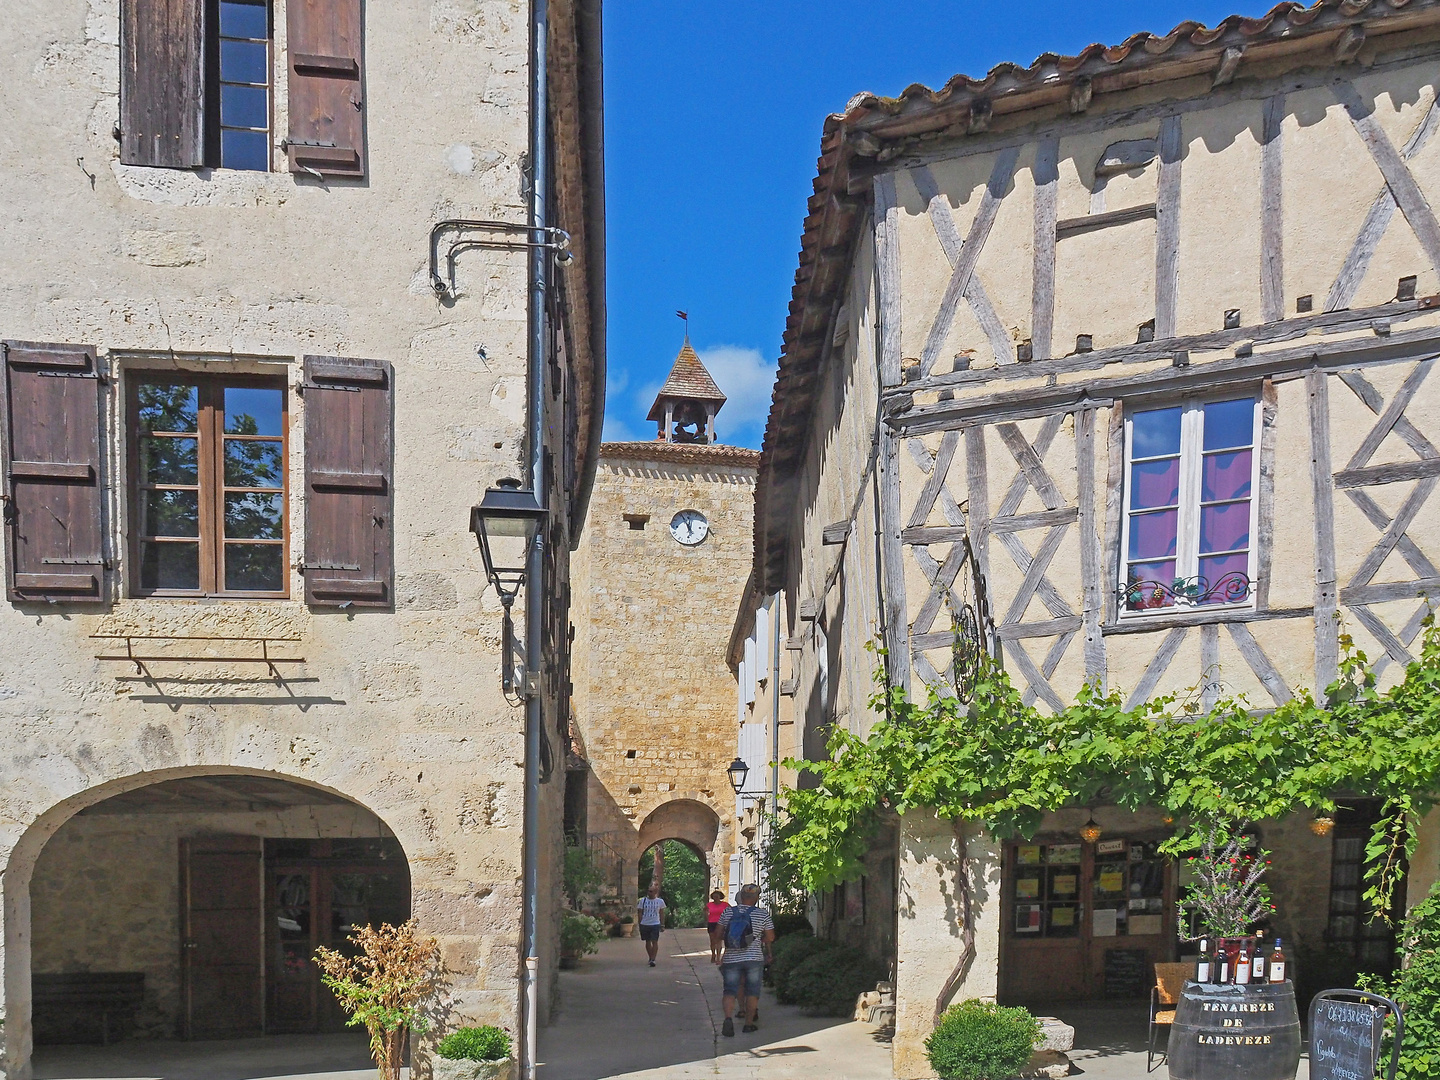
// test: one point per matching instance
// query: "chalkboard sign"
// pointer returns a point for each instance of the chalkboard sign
(1345, 1034)
(1127, 973)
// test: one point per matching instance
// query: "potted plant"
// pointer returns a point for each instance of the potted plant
(627, 925)
(383, 987)
(579, 936)
(474, 1053)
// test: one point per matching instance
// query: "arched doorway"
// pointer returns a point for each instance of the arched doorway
(693, 827)
(190, 902)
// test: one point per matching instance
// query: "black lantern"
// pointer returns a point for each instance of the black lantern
(737, 772)
(505, 524)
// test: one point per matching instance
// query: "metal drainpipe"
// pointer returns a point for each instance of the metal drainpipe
(775, 712)
(535, 577)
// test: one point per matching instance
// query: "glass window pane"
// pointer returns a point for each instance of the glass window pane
(1226, 578)
(1152, 536)
(252, 410)
(245, 106)
(244, 20)
(1155, 483)
(170, 513)
(1226, 476)
(253, 517)
(1229, 423)
(1225, 527)
(168, 407)
(251, 464)
(244, 62)
(1143, 591)
(1156, 433)
(170, 566)
(169, 461)
(254, 568)
(245, 150)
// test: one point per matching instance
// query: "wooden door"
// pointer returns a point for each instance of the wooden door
(221, 930)
(1085, 921)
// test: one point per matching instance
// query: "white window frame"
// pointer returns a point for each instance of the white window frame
(1187, 533)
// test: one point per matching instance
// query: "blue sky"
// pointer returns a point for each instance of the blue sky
(714, 113)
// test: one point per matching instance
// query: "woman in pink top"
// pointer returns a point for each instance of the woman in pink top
(713, 910)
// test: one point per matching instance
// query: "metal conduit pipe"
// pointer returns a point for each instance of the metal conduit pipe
(536, 585)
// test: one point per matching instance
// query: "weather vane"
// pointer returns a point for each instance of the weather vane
(685, 318)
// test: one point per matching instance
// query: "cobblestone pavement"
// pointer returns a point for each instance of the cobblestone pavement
(622, 1020)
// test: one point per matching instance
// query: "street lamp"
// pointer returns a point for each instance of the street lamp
(505, 525)
(737, 772)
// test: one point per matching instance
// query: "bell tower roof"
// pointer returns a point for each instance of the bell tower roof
(688, 381)
(686, 406)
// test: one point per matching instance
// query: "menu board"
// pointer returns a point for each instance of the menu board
(1028, 855)
(1064, 885)
(1344, 1039)
(1128, 974)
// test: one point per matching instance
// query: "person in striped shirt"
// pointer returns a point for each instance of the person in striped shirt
(747, 931)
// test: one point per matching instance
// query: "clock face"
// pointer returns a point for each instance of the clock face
(689, 527)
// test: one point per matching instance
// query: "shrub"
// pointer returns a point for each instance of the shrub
(382, 985)
(475, 1044)
(788, 953)
(828, 983)
(1417, 989)
(581, 876)
(792, 924)
(979, 1040)
(580, 934)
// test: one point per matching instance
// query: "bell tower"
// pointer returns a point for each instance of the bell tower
(686, 406)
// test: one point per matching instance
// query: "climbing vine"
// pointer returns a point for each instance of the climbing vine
(999, 763)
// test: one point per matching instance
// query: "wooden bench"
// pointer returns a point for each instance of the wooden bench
(61, 998)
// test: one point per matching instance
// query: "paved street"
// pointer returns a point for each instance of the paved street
(344, 1056)
(621, 1020)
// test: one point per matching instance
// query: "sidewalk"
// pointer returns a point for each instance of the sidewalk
(619, 1019)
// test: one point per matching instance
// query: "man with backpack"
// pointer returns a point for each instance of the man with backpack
(747, 931)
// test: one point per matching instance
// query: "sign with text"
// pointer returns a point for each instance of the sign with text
(1347, 1028)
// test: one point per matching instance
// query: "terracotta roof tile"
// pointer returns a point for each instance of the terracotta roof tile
(684, 453)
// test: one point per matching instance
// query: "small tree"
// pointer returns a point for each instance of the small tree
(384, 986)
(582, 876)
(1228, 895)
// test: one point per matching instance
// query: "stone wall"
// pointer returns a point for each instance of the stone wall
(655, 700)
(218, 270)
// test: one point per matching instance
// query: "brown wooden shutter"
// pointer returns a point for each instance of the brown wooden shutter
(51, 461)
(327, 87)
(349, 528)
(162, 83)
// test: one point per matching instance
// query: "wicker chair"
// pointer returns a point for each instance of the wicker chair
(1164, 997)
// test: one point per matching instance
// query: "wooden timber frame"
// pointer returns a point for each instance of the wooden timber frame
(977, 413)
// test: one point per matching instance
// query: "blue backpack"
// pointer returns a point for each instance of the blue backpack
(739, 934)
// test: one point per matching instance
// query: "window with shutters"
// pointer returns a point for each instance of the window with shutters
(208, 512)
(197, 80)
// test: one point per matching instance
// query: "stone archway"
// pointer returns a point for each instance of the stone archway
(95, 884)
(688, 820)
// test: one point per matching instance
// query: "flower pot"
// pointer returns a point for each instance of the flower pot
(446, 1069)
(569, 963)
(628, 929)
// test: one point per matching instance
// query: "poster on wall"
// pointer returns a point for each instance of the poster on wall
(1027, 918)
(1068, 854)
(1102, 922)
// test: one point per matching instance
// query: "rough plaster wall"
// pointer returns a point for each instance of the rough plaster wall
(106, 892)
(651, 654)
(399, 710)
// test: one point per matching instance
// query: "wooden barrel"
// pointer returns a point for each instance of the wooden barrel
(1235, 1033)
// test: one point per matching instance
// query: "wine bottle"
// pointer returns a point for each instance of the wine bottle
(1202, 969)
(1222, 958)
(1257, 963)
(1277, 964)
(1242, 966)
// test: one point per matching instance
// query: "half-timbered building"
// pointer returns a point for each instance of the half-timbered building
(1139, 344)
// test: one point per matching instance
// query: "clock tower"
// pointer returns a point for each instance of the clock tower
(659, 572)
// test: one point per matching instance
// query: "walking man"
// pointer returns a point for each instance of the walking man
(747, 931)
(651, 908)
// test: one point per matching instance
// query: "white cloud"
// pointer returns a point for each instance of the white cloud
(616, 430)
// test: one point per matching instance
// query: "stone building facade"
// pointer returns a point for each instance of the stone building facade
(662, 561)
(1137, 343)
(249, 656)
